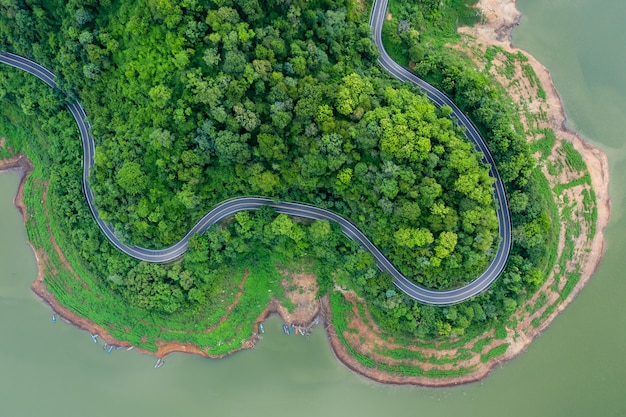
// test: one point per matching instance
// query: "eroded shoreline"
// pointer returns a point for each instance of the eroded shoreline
(500, 18)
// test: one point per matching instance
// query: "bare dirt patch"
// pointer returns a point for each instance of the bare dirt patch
(498, 18)
(301, 289)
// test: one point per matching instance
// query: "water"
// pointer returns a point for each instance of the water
(576, 368)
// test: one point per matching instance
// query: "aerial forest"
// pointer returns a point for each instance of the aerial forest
(194, 102)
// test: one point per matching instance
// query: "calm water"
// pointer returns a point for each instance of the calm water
(577, 368)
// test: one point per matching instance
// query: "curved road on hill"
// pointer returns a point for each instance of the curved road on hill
(230, 207)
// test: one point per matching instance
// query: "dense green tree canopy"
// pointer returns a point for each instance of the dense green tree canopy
(197, 103)
(194, 102)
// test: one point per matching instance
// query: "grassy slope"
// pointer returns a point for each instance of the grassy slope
(476, 340)
(88, 298)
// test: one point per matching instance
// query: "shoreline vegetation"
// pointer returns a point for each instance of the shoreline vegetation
(580, 188)
(302, 309)
(573, 184)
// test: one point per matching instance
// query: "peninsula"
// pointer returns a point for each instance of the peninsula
(443, 216)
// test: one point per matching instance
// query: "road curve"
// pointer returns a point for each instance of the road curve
(229, 207)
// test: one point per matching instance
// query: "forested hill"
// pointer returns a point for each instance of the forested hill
(194, 104)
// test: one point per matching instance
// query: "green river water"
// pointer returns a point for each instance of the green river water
(576, 368)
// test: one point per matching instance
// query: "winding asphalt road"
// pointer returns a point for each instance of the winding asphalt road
(229, 207)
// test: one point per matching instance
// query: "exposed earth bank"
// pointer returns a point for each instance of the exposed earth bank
(21, 164)
(499, 17)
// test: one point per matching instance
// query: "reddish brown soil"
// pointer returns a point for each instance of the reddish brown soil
(377, 375)
(301, 290)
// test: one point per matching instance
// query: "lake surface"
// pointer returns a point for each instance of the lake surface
(576, 368)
